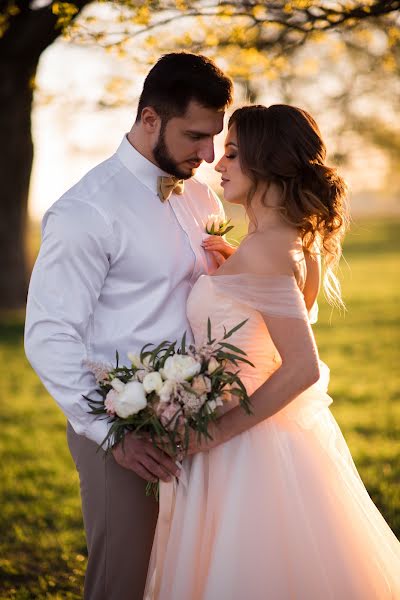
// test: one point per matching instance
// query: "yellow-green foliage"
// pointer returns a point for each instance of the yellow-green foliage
(42, 548)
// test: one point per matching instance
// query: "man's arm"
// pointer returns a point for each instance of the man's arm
(66, 282)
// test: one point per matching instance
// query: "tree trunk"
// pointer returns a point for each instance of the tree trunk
(30, 30)
(15, 169)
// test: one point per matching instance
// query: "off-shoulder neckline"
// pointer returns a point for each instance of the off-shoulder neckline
(255, 275)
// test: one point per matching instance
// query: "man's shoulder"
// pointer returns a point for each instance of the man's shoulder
(89, 194)
(99, 179)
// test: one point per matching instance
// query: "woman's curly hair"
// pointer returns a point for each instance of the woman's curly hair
(282, 144)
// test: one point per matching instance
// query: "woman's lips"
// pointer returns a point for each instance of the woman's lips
(224, 181)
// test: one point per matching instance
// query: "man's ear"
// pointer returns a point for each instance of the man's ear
(150, 119)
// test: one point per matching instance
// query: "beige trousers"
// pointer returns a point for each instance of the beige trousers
(119, 521)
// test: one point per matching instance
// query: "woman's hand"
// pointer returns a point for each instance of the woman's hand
(216, 243)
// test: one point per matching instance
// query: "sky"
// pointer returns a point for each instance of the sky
(71, 134)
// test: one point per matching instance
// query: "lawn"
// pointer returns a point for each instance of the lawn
(42, 547)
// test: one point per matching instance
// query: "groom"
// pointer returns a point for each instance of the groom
(120, 252)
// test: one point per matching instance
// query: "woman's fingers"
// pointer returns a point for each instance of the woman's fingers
(218, 244)
(210, 243)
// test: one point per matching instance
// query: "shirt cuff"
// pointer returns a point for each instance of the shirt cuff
(97, 432)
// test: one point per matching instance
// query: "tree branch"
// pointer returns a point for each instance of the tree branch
(30, 31)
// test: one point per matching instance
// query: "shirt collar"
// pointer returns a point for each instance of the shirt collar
(146, 171)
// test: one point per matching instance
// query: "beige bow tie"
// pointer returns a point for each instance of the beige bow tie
(169, 185)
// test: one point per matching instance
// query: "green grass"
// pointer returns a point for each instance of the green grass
(362, 350)
(42, 547)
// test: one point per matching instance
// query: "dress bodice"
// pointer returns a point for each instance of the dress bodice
(207, 301)
(215, 298)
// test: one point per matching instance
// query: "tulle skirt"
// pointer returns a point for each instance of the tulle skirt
(277, 513)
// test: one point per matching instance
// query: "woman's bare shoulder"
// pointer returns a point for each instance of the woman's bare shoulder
(264, 252)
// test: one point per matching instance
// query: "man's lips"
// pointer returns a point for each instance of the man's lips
(194, 163)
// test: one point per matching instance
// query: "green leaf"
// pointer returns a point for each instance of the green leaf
(144, 353)
(234, 358)
(232, 347)
(170, 350)
(246, 405)
(161, 346)
(183, 344)
(235, 329)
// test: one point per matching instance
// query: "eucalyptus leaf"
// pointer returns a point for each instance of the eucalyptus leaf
(227, 335)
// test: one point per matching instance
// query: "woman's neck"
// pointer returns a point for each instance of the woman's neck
(264, 212)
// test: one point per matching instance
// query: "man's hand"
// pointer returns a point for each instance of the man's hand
(140, 455)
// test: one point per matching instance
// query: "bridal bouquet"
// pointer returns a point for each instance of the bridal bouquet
(165, 391)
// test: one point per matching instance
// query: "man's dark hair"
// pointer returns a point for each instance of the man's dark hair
(180, 77)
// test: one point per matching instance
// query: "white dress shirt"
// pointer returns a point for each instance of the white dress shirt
(114, 271)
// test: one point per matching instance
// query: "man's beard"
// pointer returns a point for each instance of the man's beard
(164, 159)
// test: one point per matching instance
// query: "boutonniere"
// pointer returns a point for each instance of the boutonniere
(217, 226)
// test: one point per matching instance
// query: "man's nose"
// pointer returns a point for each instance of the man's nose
(207, 151)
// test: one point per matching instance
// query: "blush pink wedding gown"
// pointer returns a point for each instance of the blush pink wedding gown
(279, 512)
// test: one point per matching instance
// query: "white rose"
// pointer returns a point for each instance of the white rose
(165, 393)
(201, 384)
(213, 404)
(213, 365)
(146, 361)
(181, 368)
(136, 362)
(117, 384)
(152, 382)
(213, 220)
(135, 359)
(131, 400)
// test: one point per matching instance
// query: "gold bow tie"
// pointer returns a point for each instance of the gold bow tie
(169, 185)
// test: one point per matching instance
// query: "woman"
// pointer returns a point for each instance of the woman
(272, 508)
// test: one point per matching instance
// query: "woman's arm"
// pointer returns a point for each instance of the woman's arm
(313, 279)
(295, 343)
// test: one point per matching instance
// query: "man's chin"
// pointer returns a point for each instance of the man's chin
(187, 173)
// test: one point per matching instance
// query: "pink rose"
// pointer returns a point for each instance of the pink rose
(99, 370)
(201, 384)
(171, 412)
(109, 402)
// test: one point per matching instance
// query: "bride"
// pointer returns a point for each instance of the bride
(272, 508)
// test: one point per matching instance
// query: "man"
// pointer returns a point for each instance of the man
(120, 252)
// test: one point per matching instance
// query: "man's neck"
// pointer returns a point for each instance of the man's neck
(141, 145)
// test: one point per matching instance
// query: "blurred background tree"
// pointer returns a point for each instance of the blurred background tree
(343, 56)
(26, 31)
